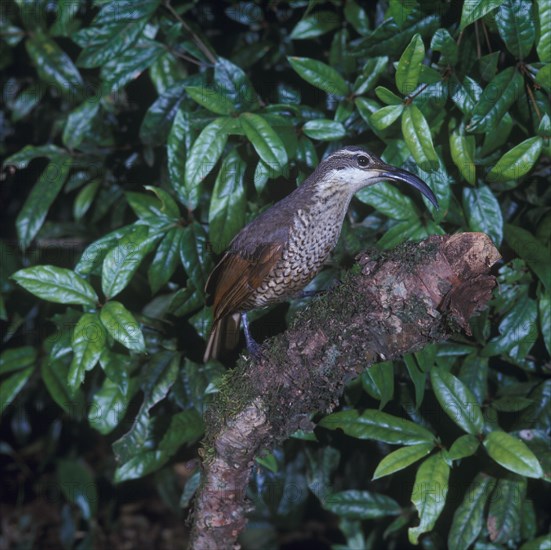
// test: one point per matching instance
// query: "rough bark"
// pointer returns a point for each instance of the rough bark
(390, 304)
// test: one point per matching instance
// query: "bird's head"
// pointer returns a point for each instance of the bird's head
(355, 168)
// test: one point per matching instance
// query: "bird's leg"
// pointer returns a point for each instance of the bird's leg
(312, 293)
(253, 347)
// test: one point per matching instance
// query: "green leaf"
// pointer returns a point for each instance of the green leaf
(54, 375)
(512, 454)
(543, 47)
(462, 150)
(177, 148)
(320, 75)
(168, 205)
(196, 255)
(122, 69)
(544, 307)
(89, 340)
(210, 99)
(463, 446)
(477, 9)
(357, 17)
(228, 203)
(85, 198)
(79, 122)
(539, 543)
(115, 28)
(469, 516)
(505, 510)
(123, 260)
(409, 66)
(500, 93)
(532, 250)
(384, 117)
(235, 84)
(12, 385)
(443, 42)
(122, 326)
(429, 494)
(185, 427)
(518, 161)
(388, 200)
(56, 284)
(457, 401)
(380, 378)
(264, 139)
(323, 129)
(515, 24)
(361, 505)
(372, 424)
(54, 66)
(483, 212)
(158, 120)
(416, 132)
(315, 24)
(517, 326)
(109, 405)
(22, 158)
(401, 458)
(79, 486)
(166, 258)
(15, 359)
(204, 155)
(388, 97)
(44, 192)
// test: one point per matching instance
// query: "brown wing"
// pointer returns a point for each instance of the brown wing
(235, 278)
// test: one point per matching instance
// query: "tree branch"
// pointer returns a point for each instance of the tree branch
(388, 306)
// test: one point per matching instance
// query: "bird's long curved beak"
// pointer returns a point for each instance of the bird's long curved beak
(391, 173)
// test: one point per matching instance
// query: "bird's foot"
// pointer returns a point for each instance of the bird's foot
(253, 347)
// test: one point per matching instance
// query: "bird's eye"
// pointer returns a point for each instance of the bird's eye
(363, 161)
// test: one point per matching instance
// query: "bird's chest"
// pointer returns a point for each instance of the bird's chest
(313, 234)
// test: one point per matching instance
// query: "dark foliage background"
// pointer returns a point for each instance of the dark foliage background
(139, 137)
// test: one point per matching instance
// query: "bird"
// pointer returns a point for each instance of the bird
(276, 255)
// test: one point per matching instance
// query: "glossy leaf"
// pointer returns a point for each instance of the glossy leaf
(109, 406)
(387, 96)
(371, 72)
(228, 202)
(476, 9)
(320, 75)
(15, 359)
(429, 494)
(123, 260)
(54, 66)
(372, 424)
(409, 66)
(204, 155)
(469, 516)
(462, 150)
(324, 130)
(56, 284)
(78, 485)
(463, 446)
(361, 505)
(505, 510)
(265, 140)
(122, 326)
(543, 46)
(515, 24)
(78, 123)
(211, 99)
(457, 401)
(518, 161)
(85, 198)
(402, 458)
(384, 117)
(357, 17)
(37, 204)
(495, 100)
(89, 339)
(443, 42)
(483, 212)
(165, 260)
(532, 250)
(114, 29)
(512, 454)
(12, 385)
(196, 254)
(316, 24)
(416, 132)
(388, 200)
(236, 85)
